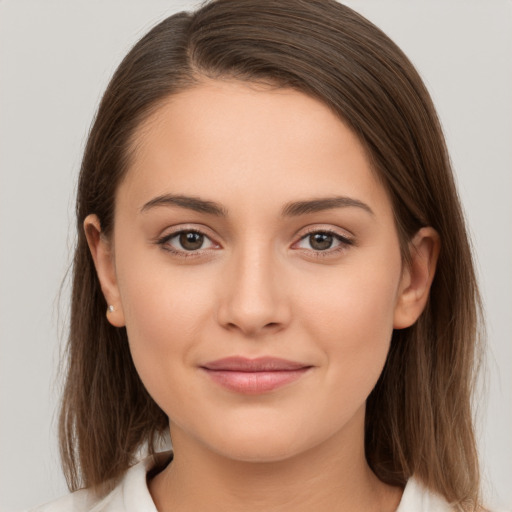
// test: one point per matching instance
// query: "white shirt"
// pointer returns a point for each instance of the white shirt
(132, 495)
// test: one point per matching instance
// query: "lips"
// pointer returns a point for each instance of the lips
(254, 376)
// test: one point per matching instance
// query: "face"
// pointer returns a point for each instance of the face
(256, 266)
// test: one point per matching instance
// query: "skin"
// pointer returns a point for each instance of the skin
(259, 286)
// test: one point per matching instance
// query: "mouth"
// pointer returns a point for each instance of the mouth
(254, 376)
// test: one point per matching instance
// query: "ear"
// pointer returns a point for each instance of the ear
(417, 277)
(103, 256)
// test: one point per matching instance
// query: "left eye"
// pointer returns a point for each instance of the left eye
(322, 241)
(188, 241)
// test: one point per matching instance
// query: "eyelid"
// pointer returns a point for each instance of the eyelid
(345, 241)
(344, 234)
(192, 227)
(163, 240)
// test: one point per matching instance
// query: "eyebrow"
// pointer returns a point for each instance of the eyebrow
(293, 209)
(318, 205)
(190, 203)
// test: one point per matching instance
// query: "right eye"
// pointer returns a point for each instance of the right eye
(186, 241)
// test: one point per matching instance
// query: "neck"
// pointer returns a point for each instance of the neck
(333, 476)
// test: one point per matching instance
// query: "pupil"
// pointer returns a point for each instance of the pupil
(191, 241)
(320, 241)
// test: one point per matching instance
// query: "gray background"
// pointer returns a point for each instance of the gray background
(55, 60)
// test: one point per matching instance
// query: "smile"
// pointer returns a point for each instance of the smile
(254, 376)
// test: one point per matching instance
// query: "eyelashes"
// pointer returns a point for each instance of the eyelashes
(187, 243)
(318, 243)
(190, 240)
(324, 242)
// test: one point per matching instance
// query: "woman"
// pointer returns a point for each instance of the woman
(266, 212)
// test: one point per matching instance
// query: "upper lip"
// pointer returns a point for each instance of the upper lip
(260, 364)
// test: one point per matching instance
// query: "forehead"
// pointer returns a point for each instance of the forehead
(235, 139)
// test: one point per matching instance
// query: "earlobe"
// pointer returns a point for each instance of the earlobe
(417, 277)
(102, 254)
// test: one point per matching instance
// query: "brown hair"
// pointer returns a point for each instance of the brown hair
(418, 418)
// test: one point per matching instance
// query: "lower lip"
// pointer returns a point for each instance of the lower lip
(253, 383)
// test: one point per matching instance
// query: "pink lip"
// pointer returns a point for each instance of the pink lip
(254, 376)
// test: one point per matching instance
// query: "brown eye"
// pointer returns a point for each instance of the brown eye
(327, 242)
(186, 241)
(190, 240)
(321, 241)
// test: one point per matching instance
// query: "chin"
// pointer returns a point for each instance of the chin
(260, 451)
(258, 444)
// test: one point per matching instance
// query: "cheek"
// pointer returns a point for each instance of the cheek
(358, 299)
(165, 309)
(352, 319)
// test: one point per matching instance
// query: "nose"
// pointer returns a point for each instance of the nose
(253, 295)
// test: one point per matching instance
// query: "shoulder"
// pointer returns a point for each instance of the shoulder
(83, 500)
(417, 498)
(130, 495)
